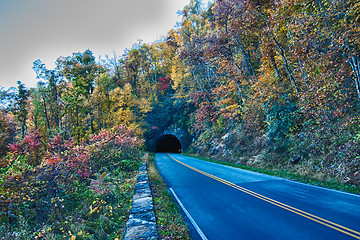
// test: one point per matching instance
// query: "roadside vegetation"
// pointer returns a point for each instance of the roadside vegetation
(168, 218)
(63, 190)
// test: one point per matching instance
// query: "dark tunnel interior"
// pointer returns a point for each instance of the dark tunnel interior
(168, 143)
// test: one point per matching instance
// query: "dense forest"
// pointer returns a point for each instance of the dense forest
(264, 83)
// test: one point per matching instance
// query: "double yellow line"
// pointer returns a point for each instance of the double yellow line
(302, 213)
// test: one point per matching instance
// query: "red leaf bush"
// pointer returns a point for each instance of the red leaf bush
(34, 173)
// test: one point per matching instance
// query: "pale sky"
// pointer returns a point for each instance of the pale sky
(47, 29)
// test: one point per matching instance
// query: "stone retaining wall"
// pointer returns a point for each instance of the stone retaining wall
(142, 222)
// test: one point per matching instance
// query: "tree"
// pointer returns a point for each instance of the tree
(49, 96)
(132, 64)
(80, 70)
(101, 102)
(20, 108)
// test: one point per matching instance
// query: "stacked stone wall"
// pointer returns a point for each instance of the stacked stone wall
(142, 221)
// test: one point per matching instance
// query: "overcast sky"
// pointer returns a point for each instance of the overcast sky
(47, 29)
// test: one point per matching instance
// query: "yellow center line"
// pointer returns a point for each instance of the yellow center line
(335, 226)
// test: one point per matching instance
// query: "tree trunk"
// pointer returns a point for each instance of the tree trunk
(247, 60)
(23, 128)
(355, 65)
(282, 54)
(286, 64)
(46, 114)
(134, 93)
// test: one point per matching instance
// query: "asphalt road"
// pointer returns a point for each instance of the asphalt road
(231, 203)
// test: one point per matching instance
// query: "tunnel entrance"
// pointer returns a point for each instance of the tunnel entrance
(168, 143)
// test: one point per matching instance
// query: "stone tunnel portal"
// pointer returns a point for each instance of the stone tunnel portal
(168, 143)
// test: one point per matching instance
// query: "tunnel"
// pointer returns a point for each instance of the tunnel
(168, 143)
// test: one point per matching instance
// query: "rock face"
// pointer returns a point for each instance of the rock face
(142, 222)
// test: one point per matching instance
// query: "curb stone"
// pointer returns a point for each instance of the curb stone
(142, 222)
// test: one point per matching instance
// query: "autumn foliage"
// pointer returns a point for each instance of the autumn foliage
(46, 187)
(251, 82)
(280, 77)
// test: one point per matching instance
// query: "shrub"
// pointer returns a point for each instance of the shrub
(56, 184)
(119, 150)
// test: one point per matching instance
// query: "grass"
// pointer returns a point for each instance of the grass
(168, 218)
(328, 183)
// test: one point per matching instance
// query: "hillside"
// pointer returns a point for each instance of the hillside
(275, 85)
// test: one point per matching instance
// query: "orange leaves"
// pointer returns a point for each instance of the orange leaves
(126, 138)
(101, 139)
(226, 100)
(54, 160)
(68, 156)
(75, 157)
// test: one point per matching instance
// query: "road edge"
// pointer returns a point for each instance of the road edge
(197, 228)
